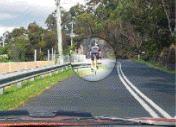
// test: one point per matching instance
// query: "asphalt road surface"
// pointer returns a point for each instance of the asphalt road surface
(131, 90)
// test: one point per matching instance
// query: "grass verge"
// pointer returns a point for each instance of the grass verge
(14, 97)
(156, 66)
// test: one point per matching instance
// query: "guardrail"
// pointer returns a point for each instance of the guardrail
(29, 75)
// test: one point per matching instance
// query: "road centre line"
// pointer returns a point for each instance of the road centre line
(142, 102)
(144, 97)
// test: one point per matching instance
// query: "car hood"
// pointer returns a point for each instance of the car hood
(72, 118)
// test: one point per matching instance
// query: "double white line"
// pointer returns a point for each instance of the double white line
(145, 102)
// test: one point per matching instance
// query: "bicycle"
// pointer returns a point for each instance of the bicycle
(94, 65)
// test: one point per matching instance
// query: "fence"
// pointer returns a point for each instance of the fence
(19, 66)
(78, 58)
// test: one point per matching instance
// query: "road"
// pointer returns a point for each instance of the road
(147, 93)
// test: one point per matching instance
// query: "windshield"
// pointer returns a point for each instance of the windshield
(110, 58)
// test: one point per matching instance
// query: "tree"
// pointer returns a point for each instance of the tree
(51, 22)
(17, 49)
(169, 10)
(34, 34)
(77, 10)
(133, 25)
(50, 37)
(18, 32)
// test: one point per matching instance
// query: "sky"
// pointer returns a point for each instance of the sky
(17, 13)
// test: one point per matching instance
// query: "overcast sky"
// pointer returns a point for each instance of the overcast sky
(16, 13)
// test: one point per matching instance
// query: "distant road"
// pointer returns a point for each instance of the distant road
(147, 93)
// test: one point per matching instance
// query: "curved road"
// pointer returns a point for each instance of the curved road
(113, 96)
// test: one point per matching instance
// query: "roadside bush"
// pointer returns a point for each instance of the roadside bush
(3, 50)
(3, 58)
(167, 57)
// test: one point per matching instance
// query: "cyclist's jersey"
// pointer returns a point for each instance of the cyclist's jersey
(95, 50)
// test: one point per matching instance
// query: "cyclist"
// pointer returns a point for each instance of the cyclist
(94, 53)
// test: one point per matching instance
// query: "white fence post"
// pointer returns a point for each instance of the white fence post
(35, 55)
(52, 54)
(32, 79)
(48, 55)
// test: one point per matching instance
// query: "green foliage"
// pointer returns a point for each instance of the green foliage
(22, 42)
(3, 54)
(3, 50)
(17, 48)
(18, 32)
(4, 58)
(142, 25)
(51, 22)
(70, 49)
(50, 38)
(77, 10)
(128, 24)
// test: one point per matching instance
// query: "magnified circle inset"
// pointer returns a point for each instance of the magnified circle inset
(93, 59)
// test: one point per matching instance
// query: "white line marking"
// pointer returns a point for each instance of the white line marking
(155, 106)
(146, 107)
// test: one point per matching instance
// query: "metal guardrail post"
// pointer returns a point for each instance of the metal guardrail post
(65, 68)
(19, 85)
(42, 76)
(32, 79)
(1, 91)
(50, 74)
(55, 72)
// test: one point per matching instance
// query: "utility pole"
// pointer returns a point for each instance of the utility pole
(59, 31)
(72, 34)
